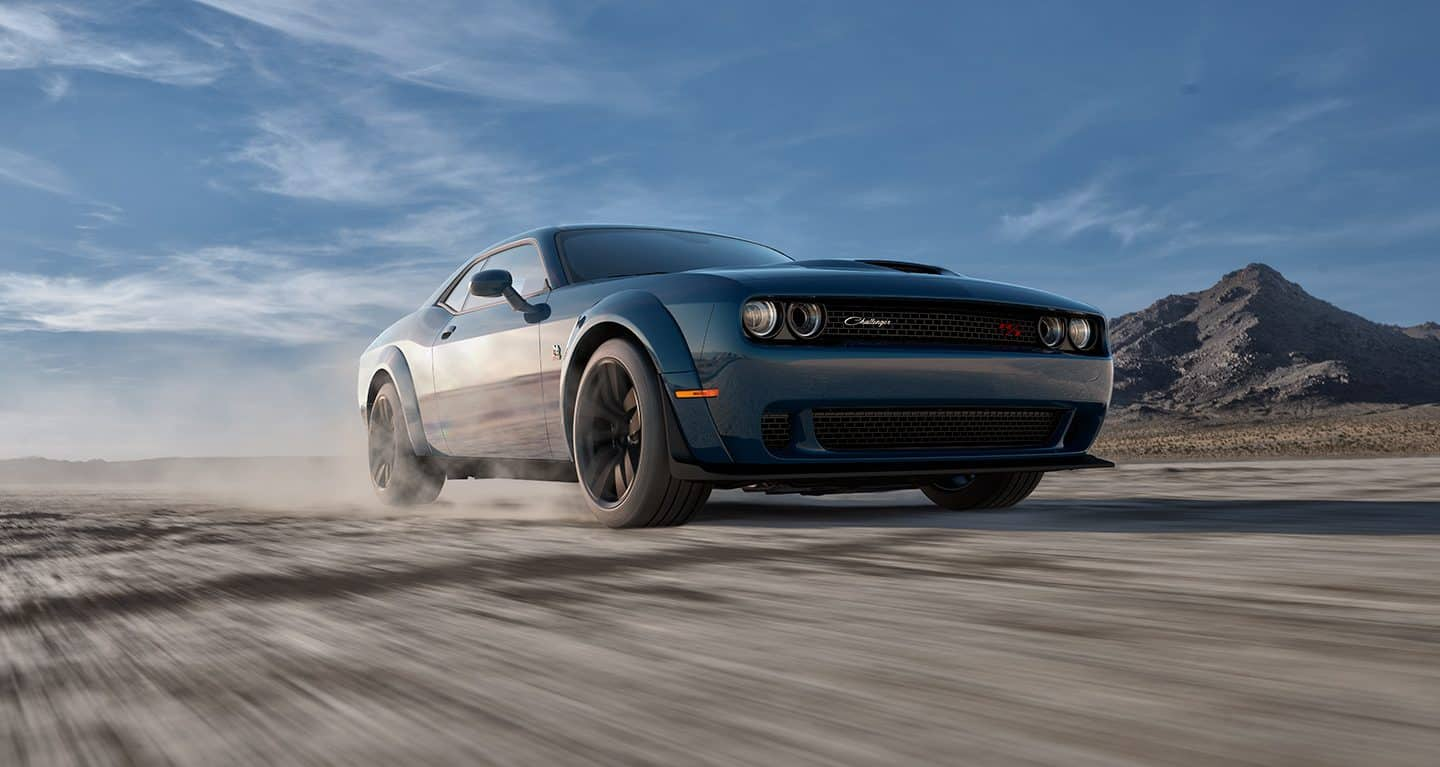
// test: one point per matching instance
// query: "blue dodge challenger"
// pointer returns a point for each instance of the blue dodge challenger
(652, 365)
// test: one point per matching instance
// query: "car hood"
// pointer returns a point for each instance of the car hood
(856, 278)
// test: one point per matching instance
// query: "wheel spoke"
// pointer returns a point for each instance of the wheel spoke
(597, 471)
(615, 387)
(630, 461)
(606, 409)
(601, 437)
(382, 443)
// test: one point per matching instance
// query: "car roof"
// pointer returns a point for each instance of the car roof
(545, 231)
(546, 234)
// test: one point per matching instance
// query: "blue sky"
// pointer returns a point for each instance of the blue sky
(206, 209)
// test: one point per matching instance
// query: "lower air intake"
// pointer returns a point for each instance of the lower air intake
(935, 428)
(775, 431)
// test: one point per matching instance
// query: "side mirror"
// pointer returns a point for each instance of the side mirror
(490, 283)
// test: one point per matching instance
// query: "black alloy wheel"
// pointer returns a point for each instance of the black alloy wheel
(398, 476)
(382, 444)
(621, 450)
(609, 449)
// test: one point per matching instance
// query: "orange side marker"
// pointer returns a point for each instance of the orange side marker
(696, 393)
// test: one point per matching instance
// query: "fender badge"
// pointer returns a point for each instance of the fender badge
(556, 352)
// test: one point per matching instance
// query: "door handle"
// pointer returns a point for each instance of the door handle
(447, 333)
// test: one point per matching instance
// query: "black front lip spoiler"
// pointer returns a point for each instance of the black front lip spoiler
(849, 471)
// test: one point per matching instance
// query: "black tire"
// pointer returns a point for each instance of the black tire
(619, 444)
(399, 477)
(983, 491)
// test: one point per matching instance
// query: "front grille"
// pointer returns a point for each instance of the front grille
(852, 320)
(775, 431)
(935, 428)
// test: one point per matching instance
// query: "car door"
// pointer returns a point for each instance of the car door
(486, 366)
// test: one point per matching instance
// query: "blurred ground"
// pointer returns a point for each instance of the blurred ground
(1279, 612)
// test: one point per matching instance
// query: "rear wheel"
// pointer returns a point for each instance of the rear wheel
(399, 477)
(982, 491)
(621, 455)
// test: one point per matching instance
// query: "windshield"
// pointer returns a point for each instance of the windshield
(595, 254)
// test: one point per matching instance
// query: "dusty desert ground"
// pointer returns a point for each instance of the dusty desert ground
(1281, 612)
(1350, 430)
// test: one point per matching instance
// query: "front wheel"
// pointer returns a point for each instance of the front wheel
(399, 477)
(620, 452)
(982, 491)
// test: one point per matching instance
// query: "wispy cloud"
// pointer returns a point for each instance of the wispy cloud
(365, 151)
(55, 86)
(103, 215)
(302, 159)
(1086, 209)
(449, 229)
(218, 291)
(20, 168)
(1253, 132)
(1360, 232)
(36, 36)
(1071, 123)
(507, 49)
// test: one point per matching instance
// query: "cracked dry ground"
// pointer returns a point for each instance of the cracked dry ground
(1258, 613)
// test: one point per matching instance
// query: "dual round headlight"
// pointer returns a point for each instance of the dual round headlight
(1054, 330)
(1081, 333)
(762, 318)
(805, 319)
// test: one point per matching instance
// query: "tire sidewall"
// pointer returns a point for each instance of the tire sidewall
(984, 491)
(652, 474)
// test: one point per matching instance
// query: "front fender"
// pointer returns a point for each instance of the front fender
(643, 317)
(392, 361)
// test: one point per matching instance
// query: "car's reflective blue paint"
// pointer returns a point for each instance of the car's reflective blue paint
(689, 324)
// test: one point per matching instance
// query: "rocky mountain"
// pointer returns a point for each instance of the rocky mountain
(1429, 330)
(1255, 339)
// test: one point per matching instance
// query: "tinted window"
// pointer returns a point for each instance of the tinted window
(527, 273)
(594, 254)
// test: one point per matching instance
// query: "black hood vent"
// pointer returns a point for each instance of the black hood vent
(909, 267)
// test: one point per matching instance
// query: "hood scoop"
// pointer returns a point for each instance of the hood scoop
(909, 267)
(868, 264)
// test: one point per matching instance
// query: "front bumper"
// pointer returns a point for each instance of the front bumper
(879, 473)
(796, 380)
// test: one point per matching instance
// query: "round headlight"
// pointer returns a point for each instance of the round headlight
(760, 317)
(806, 319)
(1081, 334)
(1052, 331)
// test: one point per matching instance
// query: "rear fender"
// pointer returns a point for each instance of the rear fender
(393, 363)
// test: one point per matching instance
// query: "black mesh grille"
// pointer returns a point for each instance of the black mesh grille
(958, 428)
(935, 323)
(775, 430)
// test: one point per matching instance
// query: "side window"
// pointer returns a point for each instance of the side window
(525, 268)
(455, 299)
